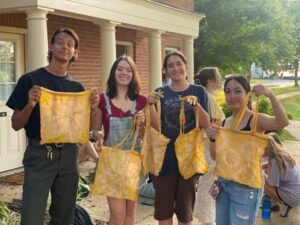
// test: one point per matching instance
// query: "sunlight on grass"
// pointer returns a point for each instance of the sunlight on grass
(283, 90)
(291, 105)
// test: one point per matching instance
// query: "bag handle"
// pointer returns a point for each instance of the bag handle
(182, 119)
(237, 120)
(133, 132)
(157, 116)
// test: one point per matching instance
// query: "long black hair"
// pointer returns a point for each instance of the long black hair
(242, 80)
(174, 53)
(134, 85)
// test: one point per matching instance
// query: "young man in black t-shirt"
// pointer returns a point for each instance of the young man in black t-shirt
(58, 173)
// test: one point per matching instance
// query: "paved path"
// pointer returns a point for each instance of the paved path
(294, 129)
(287, 95)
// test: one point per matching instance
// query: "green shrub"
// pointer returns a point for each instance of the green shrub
(225, 108)
(264, 106)
(7, 216)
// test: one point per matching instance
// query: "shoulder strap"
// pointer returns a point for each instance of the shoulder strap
(107, 106)
(237, 120)
(133, 107)
(223, 122)
(249, 121)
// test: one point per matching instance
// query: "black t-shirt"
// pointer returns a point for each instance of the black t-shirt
(170, 109)
(19, 97)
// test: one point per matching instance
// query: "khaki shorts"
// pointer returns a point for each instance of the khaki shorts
(173, 194)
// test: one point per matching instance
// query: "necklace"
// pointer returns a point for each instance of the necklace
(179, 89)
(123, 105)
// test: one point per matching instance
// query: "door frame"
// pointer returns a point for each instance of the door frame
(19, 36)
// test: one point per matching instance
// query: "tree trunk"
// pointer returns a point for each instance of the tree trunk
(296, 72)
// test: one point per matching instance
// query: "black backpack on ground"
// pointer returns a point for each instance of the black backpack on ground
(81, 216)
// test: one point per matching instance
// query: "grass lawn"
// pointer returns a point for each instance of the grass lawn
(292, 106)
(283, 90)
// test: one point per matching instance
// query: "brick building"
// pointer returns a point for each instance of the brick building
(143, 29)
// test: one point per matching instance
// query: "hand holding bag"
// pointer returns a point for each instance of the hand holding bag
(189, 147)
(239, 153)
(118, 170)
(154, 144)
(65, 116)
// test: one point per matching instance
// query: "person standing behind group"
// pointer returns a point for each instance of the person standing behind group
(174, 194)
(58, 173)
(283, 176)
(117, 108)
(210, 78)
(238, 203)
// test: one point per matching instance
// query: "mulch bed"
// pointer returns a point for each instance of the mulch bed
(13, 179)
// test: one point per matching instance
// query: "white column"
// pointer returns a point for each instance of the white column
(108, 49)
(155, 65)
(188, 51)
(37, 38)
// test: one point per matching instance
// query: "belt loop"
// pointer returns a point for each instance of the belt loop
(50, 152)
(59, 145)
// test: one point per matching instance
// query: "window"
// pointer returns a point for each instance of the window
(124, 48)
(170, 49)
(7, 68)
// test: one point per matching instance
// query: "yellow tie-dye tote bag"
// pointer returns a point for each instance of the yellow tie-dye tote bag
(65, 116)
(118, 170)
(189, 147)
(154, 144)
(239, 153)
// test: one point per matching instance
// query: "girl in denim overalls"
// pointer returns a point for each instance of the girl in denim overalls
(117, 108)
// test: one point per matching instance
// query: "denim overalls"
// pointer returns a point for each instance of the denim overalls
(119, 127)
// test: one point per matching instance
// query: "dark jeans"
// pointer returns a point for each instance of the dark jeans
(56, 172)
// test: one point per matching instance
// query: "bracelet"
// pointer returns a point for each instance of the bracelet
(212, 140)
(96, 134)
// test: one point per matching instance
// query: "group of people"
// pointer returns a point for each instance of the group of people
(112, 113)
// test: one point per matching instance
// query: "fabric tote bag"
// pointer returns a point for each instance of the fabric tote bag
(189, 147)
(154, 144)
(239, 153)
(118, 170)
(65, 116)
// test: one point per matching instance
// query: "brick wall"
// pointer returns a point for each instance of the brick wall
(13, 20)
(184, 4)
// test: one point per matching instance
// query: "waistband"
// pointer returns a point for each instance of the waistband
(35, 142)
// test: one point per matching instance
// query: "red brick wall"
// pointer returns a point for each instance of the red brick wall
(13, 20)
(184, 4)
(142, 61)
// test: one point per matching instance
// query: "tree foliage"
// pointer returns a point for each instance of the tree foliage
(295, 13)
(236, 33)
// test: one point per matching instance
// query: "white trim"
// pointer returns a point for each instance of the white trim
(13, 30)
(142, 14)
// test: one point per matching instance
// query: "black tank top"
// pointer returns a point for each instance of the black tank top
(246, 128)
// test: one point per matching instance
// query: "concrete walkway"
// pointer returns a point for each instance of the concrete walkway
(294, 129)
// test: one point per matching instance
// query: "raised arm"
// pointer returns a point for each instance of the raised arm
(266, 122)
